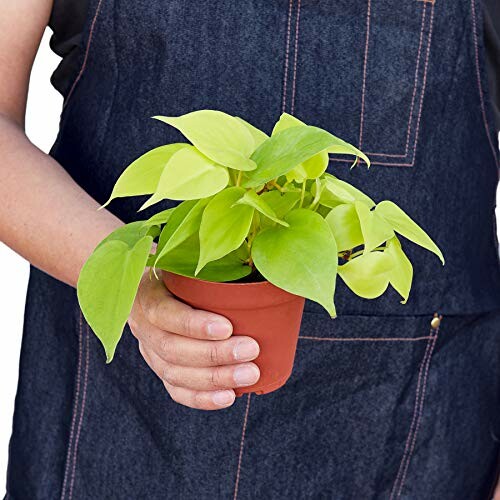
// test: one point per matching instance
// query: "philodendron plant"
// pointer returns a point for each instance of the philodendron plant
(254, 208)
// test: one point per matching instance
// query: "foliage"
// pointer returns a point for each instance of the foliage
(252, 207)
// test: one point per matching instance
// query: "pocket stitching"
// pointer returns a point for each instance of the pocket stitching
(417, 412)
(422, 94)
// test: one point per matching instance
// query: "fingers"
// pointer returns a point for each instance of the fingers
(164, 311)
(202, 378)
(184, 351)
(201, 400)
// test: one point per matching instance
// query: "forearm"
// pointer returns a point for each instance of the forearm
(45, 216)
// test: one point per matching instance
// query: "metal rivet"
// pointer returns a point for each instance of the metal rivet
(436, 321)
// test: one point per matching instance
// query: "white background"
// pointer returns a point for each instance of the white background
(44, 105)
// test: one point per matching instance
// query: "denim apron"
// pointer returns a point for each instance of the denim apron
(387, 401)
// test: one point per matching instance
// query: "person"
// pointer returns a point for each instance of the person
(387, 400)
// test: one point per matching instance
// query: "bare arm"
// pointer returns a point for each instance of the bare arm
(40, 201)
(46, 217)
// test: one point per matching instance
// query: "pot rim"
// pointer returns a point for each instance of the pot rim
(252, 283)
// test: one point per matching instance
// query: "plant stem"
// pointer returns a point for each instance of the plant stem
(275, 184)
(240, 175)
(302, 194)
(359, 252)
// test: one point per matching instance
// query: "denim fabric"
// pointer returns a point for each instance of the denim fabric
(377, 407)
(380, 405)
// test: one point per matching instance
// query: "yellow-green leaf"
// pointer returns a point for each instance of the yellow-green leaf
(189, 175)
(344, 223)
(142, 176)
(224, 226)
(401, 275)
(219, 136)
(368, 275)
(301, 259)
(375, 229)
(404, 225)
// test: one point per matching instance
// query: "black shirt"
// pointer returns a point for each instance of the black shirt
(68, 18)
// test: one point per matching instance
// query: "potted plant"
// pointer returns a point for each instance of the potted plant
(260, 227)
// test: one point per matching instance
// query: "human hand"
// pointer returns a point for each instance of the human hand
(191, 350)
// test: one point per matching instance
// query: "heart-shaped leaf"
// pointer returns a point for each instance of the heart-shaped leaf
(368, 275)
(219, 136)
(344, 223)
(224, 225)
(107, 287)
(404, 225)
(375, 229)
(301, 258)
(189, 175)
(142, 176)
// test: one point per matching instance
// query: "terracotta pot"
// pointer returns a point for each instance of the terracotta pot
(260, 310)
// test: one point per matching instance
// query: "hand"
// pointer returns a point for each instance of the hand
(192, 351)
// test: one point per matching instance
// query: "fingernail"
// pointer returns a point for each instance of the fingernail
(218, 329)
(223, 398)
(245, 375)
(246, 350)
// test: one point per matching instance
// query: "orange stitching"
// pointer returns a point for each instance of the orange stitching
(367, 339)
(416, 409)
(420, 411)
(478, 75)
(295, 56)
(410, 118)
(365, 64)
(87, 50)
(242, 445)
(75, 408)
(287, 55)
(84, 399)
(422, 94)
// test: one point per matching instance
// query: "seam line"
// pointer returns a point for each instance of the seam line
(86, 56)
(242, 446)
(75, 408)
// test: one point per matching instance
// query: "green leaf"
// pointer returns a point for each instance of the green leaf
(401, 275)
(344, 223)
(404, 225)
(184, 259)
(224, 227)
(375, 229)
(142, 176)
(186, 221)
(189, 175)
(338, 191)
(258, 136)
(301, 258)
(281, 203)
(309, 169)
(284, 151)
(159, 218)
(252, 199)
(219, 136)
(107, 287)
(129, 234)
(368, 275)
